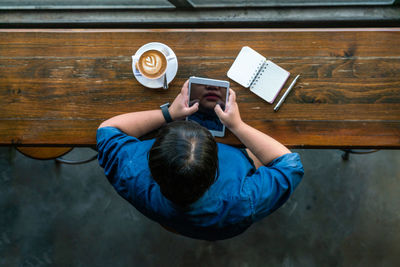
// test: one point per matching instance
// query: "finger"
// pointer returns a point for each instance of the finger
(185, 88)
(218, 111)
(232, 96)
(221, 104)
(193, 108)
(191, 103)
(231, 99)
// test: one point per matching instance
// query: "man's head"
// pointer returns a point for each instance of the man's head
(184, 161)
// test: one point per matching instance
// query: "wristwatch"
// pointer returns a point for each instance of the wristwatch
(165, 112)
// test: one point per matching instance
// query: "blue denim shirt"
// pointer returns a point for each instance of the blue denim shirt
(240, 196)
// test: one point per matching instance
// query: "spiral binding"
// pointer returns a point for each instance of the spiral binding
(257, 74)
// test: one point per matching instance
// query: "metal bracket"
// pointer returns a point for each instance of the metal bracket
(75, 162)
(181, 3)
(347, 152)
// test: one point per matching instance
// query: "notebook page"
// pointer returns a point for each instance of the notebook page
(245, 66)
(270, 81)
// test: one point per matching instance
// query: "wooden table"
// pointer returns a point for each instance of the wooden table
(57, 86)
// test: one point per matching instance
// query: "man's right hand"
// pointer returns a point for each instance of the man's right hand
(264, 147)
(230, 117)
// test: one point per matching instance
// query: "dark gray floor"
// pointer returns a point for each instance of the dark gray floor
(342, 214)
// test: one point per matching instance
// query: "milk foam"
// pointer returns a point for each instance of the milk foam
(152, 64)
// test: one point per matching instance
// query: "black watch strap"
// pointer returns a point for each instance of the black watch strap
(165, 112)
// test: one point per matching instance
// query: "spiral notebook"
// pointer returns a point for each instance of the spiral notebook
(265, 78)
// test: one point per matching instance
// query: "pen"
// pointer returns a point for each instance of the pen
(286, 93)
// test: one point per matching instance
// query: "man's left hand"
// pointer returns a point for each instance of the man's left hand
(180, 109)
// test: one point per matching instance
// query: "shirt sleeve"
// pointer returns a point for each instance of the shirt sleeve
(111, 144)
(271, 186)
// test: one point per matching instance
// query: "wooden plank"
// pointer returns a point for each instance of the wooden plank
(295, 134)
(56, 86)
(209, 43)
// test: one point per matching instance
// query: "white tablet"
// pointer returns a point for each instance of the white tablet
(208, 93)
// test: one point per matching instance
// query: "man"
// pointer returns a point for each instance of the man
(186, 181)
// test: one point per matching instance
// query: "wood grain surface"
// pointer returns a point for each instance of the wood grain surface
(57, 86)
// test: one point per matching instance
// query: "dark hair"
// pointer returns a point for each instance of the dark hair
(184, 161)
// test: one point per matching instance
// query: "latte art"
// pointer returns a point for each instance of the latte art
(152, 64)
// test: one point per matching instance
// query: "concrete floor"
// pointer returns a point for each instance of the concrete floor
(342, 214)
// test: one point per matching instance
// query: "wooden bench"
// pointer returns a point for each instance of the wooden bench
(57, 86)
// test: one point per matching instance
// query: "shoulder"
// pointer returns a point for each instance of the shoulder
(113, 136)
(234, 160)
(106, 133)
(117, 148)
(289, 163)
(271, 185)
(227, 197)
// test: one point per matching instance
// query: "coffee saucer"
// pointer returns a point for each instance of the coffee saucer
(171, 70)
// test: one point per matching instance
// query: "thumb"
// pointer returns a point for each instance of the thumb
(193, 108)
(218, 110)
